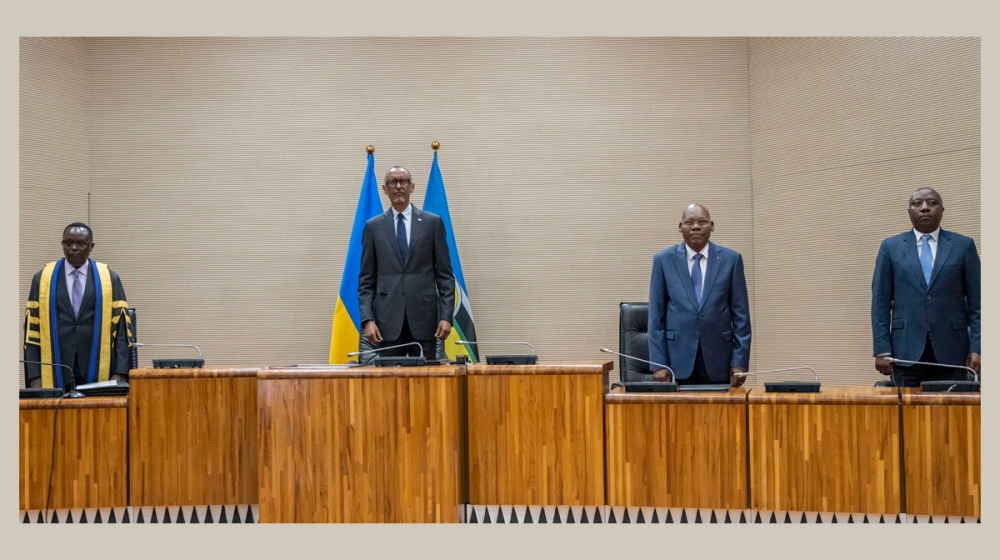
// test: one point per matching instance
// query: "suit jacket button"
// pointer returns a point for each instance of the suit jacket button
(928, 297)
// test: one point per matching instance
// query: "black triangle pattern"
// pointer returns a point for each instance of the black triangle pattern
(26, 518)
(597, 515)
(83, 516)
(55, 517)
(555, 518)
(929, 519)
(819, 518)
(140, 519)
(758, 518)
(713, 518)
(180, 514)
(788, 518)
(626, 518)
(834, 518)
(743, 517)
(697, 516)
(684, 516)
(898, 520)
(473, 518)
(194, 514)
(124, 516)
(656, 518)
(208, 515)
(223, 518)
(69, 516)
(962, 521)
(41, 518)
(583, 516)
(946, 519)
(866, 519)
(541, 515)
(153, 518)
(166, 515)
(500, 515)
(881, 519)
(774, 519)
(236, 514)
(486, 516)
(670, 517)
(527, 514)
(850, 519)
(513, 514)
(640, 518)
(97, 517)
(803, 520)
(728, 519)
(569, 516)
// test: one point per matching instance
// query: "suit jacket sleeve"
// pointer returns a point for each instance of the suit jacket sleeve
(32, 346)
(739, 307)
(973, 279)
(882, 283)
(443, 275)
(122, 331)
(657, 325)
(367, 276)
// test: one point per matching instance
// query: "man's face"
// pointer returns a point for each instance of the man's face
(696, 227)
(398, 187)
(926, 210)
(76, 246)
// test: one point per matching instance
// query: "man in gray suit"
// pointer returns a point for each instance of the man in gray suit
(406, 289)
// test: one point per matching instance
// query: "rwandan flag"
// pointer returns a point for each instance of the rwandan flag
(463, 328)
(347, 315)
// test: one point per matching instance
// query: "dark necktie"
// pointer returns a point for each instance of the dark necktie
(401, 237)
(696, 277)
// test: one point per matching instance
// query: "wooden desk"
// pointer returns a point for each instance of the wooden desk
(90, 468)
(536, 434)
(362, 444)
(193, 436)
(833, 451)
(941, 452)
(677, 449)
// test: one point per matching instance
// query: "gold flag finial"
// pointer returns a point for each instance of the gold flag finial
(435, 145)
(370, 149)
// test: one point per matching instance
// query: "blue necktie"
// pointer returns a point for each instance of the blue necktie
(926, 258)
(401, 237)
(696, 277)
(77, 294)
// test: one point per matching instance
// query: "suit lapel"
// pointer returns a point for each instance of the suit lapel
(389, 227)
(62, 291)
(416, 229)
(89, 289)
(910, 249)
(680, 263)
(943, 249)
(714, 260)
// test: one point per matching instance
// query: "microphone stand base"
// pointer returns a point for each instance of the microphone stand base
(949, 386)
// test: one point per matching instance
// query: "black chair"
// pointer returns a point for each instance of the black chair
(884, 383)
(135, 349)
(634, 341)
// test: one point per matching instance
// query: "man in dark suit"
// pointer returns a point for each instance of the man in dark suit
(699, 311)
(70, 301)
(925, 298)
(406, 289)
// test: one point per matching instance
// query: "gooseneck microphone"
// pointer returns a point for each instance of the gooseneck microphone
(661, 366)
(376, 350)
(68, 385)
(912, 362)
(474, 343)
(795, 368)
(170, 346)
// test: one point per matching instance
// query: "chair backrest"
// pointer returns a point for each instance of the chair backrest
(134, 354)
(633, 340)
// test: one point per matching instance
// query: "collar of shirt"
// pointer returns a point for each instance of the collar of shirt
(83, 269)
(691, 252)
(406, 214)
(934, 235)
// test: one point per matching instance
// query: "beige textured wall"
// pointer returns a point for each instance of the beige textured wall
(842, 131)
(226, 172)
(54, 152)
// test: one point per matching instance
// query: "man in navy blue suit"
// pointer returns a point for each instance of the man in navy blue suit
(925, 298)
(699, 312)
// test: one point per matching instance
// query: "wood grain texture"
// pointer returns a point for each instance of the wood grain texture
(542, 368)
(942, 454)
(362, 449)
(347, 372)
(735, 395)
(914, 396)
(193, 439)
(91, 464)
(536, 438)
(834, 455)
(191, 373)
(677, 450)
(828, 395)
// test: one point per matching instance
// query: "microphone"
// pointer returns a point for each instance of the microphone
(975, 374)
(661, 366)
(506, 359)
(376, 350)
(69, 384)
(787, 386)
(174, 363)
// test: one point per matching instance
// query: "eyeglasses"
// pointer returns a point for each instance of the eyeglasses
(690, 223)
(391, 183)
(70, 243)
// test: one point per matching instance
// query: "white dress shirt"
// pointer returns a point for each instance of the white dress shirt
(704, 262)
(407, 215)
(933, 241)
(82, 278)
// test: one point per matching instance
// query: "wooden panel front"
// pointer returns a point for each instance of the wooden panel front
(193, 437)
(90, 468)
(835, 451)
(335, 448)
(537, 437)
(941, 453)
(677, 449)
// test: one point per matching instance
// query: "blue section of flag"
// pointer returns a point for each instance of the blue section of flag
(369, 206)
(436, 202)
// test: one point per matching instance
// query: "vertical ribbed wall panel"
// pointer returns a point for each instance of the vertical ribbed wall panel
(842, 131)
(54, 152)
(226, 172)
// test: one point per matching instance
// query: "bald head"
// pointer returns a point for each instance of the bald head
(398, 187)
(396, 172)
(696, 226)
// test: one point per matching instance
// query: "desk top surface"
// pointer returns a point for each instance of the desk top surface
(828, 395)
(85, 402)
(362, 371)
(914, 396)
(191, 373)
(735, 395)
(544, 368)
